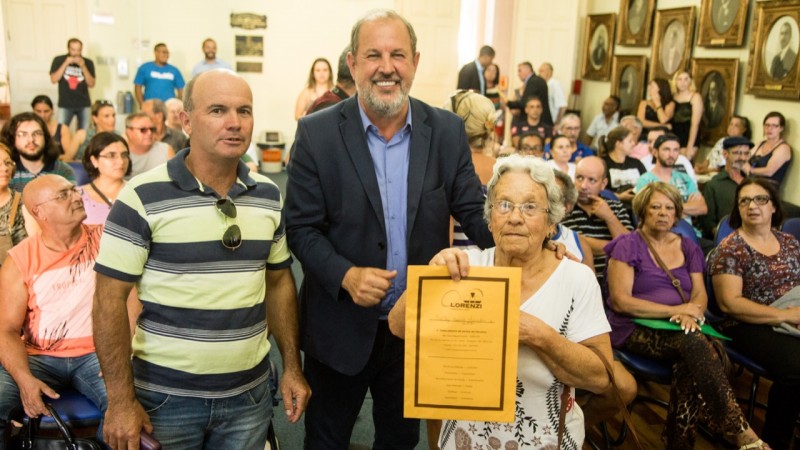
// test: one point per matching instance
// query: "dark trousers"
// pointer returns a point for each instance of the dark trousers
(337, 399)
(778, 353)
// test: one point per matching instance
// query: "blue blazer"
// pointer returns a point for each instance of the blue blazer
(334, 217)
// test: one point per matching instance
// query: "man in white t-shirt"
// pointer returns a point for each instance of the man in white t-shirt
(555, 95)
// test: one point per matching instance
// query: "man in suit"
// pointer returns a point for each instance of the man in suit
(470, 76)
(533, 86)
(783, 62)
(373, 181)
(714, 105)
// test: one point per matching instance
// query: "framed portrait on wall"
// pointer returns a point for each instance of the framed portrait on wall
(773, 65)
(716, 80)
(628, 81)
(599, 46)
(722, 23)
(635, 22)
(672, 42)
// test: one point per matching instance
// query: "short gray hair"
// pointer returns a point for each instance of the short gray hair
(636, 122)
(381, 14)
(540, 172)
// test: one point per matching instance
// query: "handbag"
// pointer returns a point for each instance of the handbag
(6, 241)
(727, 366)
(626, 415)
(28, 437)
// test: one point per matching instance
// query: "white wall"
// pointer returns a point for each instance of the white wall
(754, 108)
(297, 32)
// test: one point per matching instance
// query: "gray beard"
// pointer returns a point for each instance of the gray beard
(384, 109)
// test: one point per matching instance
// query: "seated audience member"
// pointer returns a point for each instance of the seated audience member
(639, 288)
(33, 150)
(751, 270)
(561, 315)
(739, 126)
(719, 191)
(571, 128)
(174, 109)
(773, 155)
(574, 242)
(146, 152)
(682, 164)
(640, 149)
(104, 118)
(603, 122)
(12, 222)
(157, 111)
(478, 114)
(658, 108)
(107, 162)
(48, 286)
(598, 219)
(623, 171)
(43, 107)
(531, 122)
(688, 113)
(667, 150)
(560, 153)
(531, 144)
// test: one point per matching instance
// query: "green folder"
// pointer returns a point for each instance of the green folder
(664, 324)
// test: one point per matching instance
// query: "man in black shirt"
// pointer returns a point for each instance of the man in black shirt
(74, 75)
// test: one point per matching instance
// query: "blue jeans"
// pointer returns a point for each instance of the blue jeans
(81, 373)
(65, 116)
(238, 422)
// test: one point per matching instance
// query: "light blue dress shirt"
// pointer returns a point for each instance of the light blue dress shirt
(390, 160)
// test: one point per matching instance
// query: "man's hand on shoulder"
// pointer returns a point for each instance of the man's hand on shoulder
(368, 285)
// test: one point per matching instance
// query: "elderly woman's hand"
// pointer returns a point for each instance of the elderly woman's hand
(456, 260)
(530, 328)
(688, 323)
(690, 309)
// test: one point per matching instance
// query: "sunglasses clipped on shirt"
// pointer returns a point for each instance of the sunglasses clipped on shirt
(232, 238)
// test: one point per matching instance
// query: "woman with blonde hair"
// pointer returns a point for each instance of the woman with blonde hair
(478, 114)
(320, 81)
(688, 112)
(104, 118)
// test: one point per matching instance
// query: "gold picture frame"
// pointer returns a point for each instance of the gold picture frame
(773, 64)
(672, 42)
(628, 81)
(716, 80)
(722, 23)
(599, 46)
(635, 22)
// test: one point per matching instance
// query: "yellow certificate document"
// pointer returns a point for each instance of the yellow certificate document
(461, 343)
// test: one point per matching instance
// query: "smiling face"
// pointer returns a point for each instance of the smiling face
(753, 214)
(220, 123)
(516, 234)
(384, 67)
(660, 215)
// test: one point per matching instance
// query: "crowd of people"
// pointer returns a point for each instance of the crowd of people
(173, 249)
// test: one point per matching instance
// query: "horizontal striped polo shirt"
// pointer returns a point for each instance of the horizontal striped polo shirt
(202, 332)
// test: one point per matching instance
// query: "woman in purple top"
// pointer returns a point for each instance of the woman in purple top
(638, 287)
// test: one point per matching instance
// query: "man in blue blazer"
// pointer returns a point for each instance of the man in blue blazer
(373, 181)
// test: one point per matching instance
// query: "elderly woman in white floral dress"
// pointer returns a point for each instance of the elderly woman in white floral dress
(561, 313)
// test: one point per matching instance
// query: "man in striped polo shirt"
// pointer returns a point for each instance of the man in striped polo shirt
(202, 240)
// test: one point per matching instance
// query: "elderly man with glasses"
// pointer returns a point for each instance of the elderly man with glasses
(203, 240)
(146, 151)
(33, 149)
(47, 288)
(571, 128)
